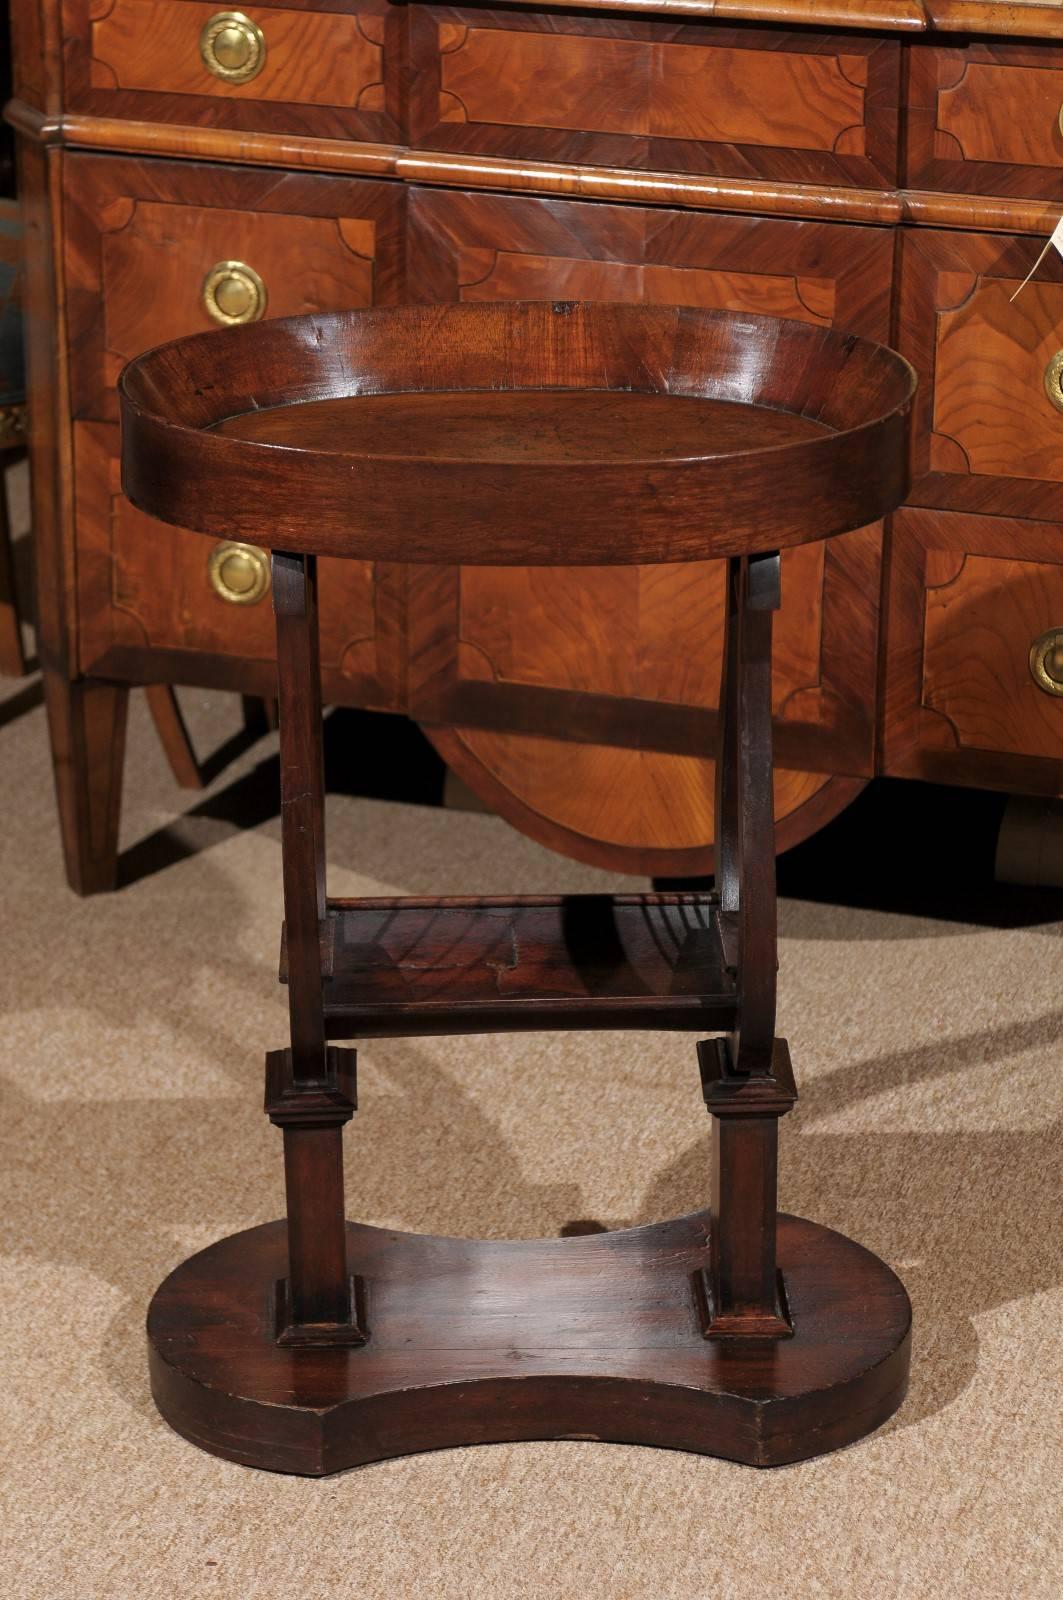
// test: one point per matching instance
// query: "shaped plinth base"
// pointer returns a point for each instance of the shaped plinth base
(474, 1342)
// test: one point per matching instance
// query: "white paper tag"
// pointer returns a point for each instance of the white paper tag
(1054, 241)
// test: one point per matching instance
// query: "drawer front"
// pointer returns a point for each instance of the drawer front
(974, 670)
(325, 69)
(157, 249)
(499, 659)
(148, 593)
(803, 107)
(984, 119)
(990, 407)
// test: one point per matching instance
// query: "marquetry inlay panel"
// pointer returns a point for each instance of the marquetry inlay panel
(311, 57)
(647, 93)
(972, 600)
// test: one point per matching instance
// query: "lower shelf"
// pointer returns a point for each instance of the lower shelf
(475, 1341)
(415, 967)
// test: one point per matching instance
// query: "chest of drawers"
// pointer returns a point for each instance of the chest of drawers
(889, 168)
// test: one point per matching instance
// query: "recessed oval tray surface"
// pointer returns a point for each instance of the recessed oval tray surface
(519, 432)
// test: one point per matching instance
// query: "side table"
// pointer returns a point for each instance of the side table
(555, 435)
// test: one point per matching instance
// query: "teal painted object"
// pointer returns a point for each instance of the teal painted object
(12, 366)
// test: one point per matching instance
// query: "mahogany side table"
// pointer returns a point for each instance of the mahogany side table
(553, 435)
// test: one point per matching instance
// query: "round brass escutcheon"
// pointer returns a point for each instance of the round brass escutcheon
(233, 47)
(1046, 661)
(233, 292)
(239, 573)
(1054, 380)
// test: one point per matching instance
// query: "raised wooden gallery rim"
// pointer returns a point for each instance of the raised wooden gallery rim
(414, 433)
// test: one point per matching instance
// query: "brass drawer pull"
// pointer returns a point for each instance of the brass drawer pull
(1054, 380)
(234, 292)
(1046, 661)
(239, 573)
(233, 47)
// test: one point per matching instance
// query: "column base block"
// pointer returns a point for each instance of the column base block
(597, 1337)
(776, 1324)
(353, 1331)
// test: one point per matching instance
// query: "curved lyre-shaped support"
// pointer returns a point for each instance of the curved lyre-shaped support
(746, 1075)
(745, 820)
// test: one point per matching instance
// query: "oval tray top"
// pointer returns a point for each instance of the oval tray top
(520, 433)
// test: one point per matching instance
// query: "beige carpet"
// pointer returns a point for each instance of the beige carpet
(134, 1027)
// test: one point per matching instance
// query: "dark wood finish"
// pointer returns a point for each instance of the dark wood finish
(319, 1302)
(302, 804)
(443, 1367)
(745, 822)
(746, 1076)
(318, 1297)
(480, 413)
(744, 1293)
(481, 514)
(801, 107)
(407, 968)
(838, 457)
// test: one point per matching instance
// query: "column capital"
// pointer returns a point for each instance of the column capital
(745, 1094)
(329, 1102)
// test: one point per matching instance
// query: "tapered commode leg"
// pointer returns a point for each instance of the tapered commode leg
(87, 725)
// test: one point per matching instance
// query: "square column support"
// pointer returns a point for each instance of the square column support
(743, 1290)
(319, 1302)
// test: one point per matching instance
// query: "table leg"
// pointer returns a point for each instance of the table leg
(310, 1086)
(743, 1292)
(747, 1078)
